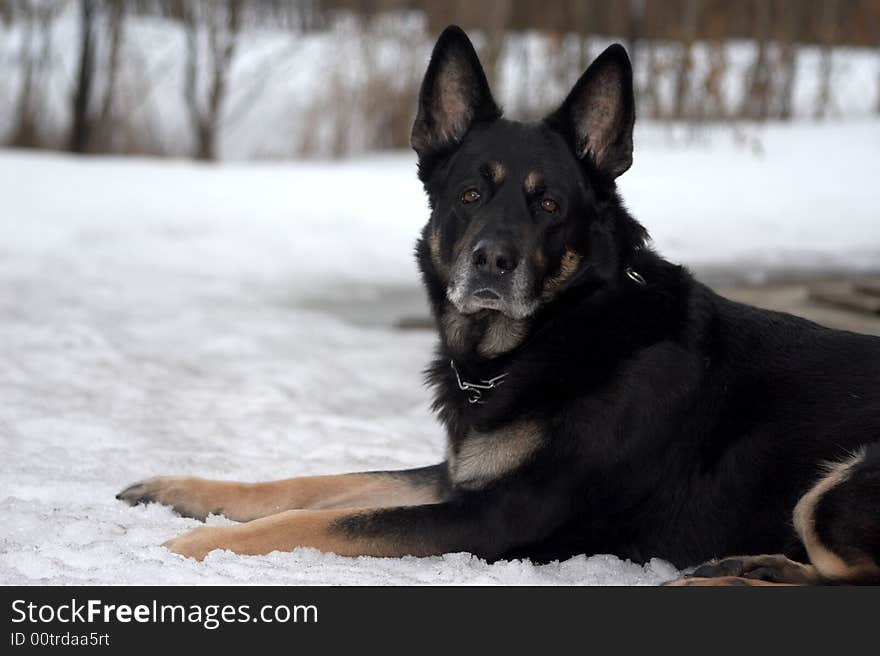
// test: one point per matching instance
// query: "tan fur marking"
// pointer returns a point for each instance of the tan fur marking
(567, 268)
(198, 497)
(502, 335)
(434, 247)
(531, 182)
(362, 491)
(540, 258)
(829, 564)
(484, 457)
(497, 172)
(287, 531)
(455, 328)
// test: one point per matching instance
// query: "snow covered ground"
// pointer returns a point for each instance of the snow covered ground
(162, 317)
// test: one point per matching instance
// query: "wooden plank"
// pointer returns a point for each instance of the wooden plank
(870, 286)
(845, 295)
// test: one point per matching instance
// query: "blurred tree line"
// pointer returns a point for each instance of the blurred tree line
(681, 50)
(776, 27)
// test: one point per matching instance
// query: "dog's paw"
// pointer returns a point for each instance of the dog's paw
(772, 568)
(196, 544)
(736, 566)
(764, 569)
(719, 581)
(179, 492)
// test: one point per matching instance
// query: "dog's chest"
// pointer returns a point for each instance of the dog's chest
(480, 458)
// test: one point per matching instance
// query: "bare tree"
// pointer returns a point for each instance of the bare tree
(793, 24)
(25, 130)
(713, 105)
(34, 59)
(6, 12)
(106, 127)
(582, 23)
(635, 27)
(81, 124)
(690, 26)
(756, 99)
(875, 21)
(219, 24)
(496, 31)
(830, 11)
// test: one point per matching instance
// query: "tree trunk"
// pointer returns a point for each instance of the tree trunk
(81, 126)
(496, 31)
(878, 91)
(756, 98)
(581, 17)
(191, 73)
(635, 27)
(713, 106)
(830, 16)
(107, 125)
(650, 94)
(692, 11)
(793, 25)
(221, 47)
(24, 134)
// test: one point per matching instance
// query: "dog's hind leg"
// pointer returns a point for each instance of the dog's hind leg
(198, 497)
(838, 520)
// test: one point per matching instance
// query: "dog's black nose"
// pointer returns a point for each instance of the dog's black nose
(495, 257)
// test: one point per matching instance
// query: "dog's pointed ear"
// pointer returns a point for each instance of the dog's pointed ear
(599, 113)
(454, 94)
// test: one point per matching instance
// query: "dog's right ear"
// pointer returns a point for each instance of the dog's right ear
(454, 95)
(599, 113)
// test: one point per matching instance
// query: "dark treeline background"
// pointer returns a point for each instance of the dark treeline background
(78, 73)
(851, 22)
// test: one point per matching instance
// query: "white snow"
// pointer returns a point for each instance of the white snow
(801, 196)
(164, 317)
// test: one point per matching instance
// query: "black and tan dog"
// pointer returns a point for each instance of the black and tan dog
(596, 398)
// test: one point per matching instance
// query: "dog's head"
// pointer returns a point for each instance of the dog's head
(521, 212)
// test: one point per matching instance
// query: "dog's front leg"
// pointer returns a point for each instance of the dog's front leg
(199, 497)
(392, 532)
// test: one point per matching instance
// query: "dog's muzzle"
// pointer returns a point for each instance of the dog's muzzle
(492, 277)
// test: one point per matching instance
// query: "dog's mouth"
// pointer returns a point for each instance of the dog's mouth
(486, 301)
(511, 295)
(482, 299)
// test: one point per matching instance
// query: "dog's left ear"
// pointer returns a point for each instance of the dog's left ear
(599, 113)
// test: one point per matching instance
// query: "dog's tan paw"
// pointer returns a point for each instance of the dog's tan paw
(179, 492)
(197, 543)
(719, 581)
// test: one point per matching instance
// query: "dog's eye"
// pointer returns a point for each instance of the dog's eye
(549, 205)
(470, 196)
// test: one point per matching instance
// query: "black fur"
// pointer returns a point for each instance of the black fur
(676, 423)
